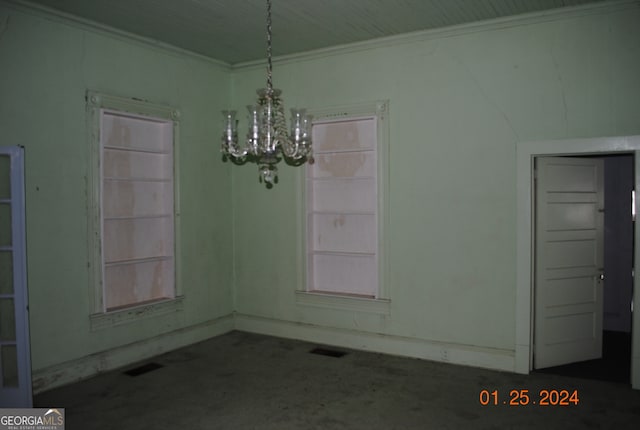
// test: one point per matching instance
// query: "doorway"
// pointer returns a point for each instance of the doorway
(609, 284)
(525, 156)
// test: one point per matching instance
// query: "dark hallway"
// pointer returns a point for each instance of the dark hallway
(614, 366)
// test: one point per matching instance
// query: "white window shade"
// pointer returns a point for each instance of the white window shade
(137, 208)
(342, 209)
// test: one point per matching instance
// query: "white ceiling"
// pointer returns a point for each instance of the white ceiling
(234, 31)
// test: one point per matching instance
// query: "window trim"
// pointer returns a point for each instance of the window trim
(381, 304)
(96, 104)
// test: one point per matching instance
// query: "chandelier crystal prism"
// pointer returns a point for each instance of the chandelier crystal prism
(268, 142)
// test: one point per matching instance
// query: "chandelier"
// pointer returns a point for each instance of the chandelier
(268, 141)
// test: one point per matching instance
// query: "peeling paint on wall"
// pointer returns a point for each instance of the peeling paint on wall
(137, 224)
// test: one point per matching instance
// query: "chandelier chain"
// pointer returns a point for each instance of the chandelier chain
(269, 64)
(268, 140)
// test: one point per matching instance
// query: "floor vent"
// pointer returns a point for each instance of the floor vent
(328, 352)
(145, 368)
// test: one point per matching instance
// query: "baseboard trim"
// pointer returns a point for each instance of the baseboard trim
(86, 367)
(467, 355)
(91, 365)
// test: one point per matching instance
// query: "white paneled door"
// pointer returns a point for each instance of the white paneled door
(569, 247)
(15, 362)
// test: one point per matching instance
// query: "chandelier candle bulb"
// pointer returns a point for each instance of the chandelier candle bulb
(268, 141)
(253, 136)
(230, 125)
(296, 124)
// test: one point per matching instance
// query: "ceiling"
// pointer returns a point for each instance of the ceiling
(234, 31)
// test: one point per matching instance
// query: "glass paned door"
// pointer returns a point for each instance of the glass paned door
(15, 362)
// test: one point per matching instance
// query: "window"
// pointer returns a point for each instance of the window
(133, 203)
(344, 210)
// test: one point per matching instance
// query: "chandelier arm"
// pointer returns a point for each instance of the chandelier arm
(290, 149)
(237, 153)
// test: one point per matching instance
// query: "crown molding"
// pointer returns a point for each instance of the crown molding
(532, 18)
(105, 30)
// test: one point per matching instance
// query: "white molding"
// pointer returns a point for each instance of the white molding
(367, 109)
(101, 321)
(377, 110)
(401, 39)
(137, 107)
(91, 365)
(468, 355)
(564, 13)
(96, 104)
(85, 367)
(525, 155)
(105, 30)
(343, 302)
(635, 316)
(20, 396)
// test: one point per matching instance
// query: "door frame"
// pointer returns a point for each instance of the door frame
(526, 152)
(21, 298)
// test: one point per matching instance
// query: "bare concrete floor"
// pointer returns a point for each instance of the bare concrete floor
(248, 381)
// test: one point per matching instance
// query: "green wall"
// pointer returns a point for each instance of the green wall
(460, 101)
(47, 65)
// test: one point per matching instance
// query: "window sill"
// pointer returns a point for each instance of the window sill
(343, 302)
(135, 313)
